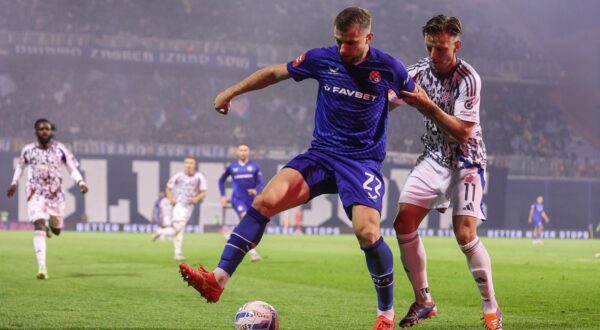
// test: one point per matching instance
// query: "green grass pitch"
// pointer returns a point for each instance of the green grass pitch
(118, 280)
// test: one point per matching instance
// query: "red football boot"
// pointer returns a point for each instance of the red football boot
(203, 281)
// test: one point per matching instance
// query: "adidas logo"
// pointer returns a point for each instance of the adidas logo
(469, 207)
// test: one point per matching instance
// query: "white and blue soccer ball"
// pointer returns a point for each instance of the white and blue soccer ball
(256, 315)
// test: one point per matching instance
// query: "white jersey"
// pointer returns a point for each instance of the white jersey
(186, 187)
(458, 95)
(44, 174)
(162, 211)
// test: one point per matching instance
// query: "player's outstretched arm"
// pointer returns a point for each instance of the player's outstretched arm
(258, 80)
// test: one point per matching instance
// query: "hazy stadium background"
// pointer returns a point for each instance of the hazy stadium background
(130, 86)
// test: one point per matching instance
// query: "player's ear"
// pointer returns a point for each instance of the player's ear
(370, 37)
(457, 45)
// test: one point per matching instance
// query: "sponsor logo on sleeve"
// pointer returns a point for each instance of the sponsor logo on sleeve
(471, 101)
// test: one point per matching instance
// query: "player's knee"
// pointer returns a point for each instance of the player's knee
(404, 224)
(464, 237)
(39, 224)
(264, 202)
(367, 237)
(367, 233)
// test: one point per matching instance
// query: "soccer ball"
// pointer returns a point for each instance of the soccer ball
(256, 315)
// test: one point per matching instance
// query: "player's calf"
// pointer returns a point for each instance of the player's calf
(55, 225)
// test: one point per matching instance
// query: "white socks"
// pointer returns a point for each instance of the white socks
(39, 246)
(481, 268)
(414, 260)
(178, 242)
(389, 314)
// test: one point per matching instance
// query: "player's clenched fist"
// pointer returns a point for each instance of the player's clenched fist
(11, 190)
(222, 102)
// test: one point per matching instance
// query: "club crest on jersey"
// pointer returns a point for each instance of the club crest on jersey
(375, 76)
(469, 178)
(298, 60)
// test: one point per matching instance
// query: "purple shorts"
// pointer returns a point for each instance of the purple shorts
(241, 205)
(357, 182)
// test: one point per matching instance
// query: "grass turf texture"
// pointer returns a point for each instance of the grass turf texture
(118, 280)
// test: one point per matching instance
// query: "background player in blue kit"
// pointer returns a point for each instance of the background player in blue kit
(246, 183)
(345, 155)
(536, 215)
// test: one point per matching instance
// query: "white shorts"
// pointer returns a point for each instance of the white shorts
(181, 213)
(166, 220)
(40, 208)
(433, 186)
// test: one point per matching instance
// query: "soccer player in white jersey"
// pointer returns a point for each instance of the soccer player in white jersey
(450, 170)
(162, 217)
(184, 190)
(45, 198)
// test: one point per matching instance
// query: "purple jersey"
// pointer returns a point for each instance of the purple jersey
(244, 176)
(352, 105)
(538, 209)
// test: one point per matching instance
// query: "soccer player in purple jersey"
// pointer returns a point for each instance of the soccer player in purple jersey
(45, 198)
(536, 215)
(450, 170)
(344, 158)
(247, 182)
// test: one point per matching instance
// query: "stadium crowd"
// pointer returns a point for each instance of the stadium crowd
(91, 102)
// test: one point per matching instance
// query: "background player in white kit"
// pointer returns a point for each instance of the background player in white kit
(184, 190)
(451, 169)
(162, 217)
(45, 198)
